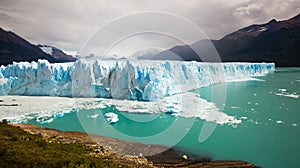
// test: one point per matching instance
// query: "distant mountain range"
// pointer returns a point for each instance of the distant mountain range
(274, 41)
(15, 48)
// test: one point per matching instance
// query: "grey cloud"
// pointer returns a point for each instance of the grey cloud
(67, 24)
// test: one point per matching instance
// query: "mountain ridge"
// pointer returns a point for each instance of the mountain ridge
(14, 48)
(274, 41)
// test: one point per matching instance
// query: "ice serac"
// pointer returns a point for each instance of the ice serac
(123, 79)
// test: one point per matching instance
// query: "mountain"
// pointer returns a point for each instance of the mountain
(147, 53)
(274, 41)
(15, 48)
(56, 53)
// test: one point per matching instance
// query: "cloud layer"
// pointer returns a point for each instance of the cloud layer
(67, 24)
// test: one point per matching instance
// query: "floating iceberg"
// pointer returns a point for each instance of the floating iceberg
(186, 104)
(123, 79)
(94, 116)
(111, 117)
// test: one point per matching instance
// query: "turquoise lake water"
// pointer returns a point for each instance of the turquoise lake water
(268, 136)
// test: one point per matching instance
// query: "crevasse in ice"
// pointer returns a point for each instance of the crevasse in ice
(122, 79)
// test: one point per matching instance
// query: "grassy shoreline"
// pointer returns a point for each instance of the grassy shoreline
(24, 145)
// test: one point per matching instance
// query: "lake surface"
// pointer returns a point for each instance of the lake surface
(268, 136)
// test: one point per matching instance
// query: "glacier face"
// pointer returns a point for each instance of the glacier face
(122, 79)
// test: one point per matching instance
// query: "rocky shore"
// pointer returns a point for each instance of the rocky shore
(130, 153)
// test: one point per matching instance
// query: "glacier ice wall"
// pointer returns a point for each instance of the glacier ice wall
(123, 79)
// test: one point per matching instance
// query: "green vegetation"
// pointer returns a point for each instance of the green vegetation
(21, 149)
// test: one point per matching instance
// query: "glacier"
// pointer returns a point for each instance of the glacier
(129, 86)
(121, 79)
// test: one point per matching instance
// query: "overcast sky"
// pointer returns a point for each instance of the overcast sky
(67, 24)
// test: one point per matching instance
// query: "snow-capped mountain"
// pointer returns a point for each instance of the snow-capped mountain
(144, 54)
(56, 53)
(15, 48)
